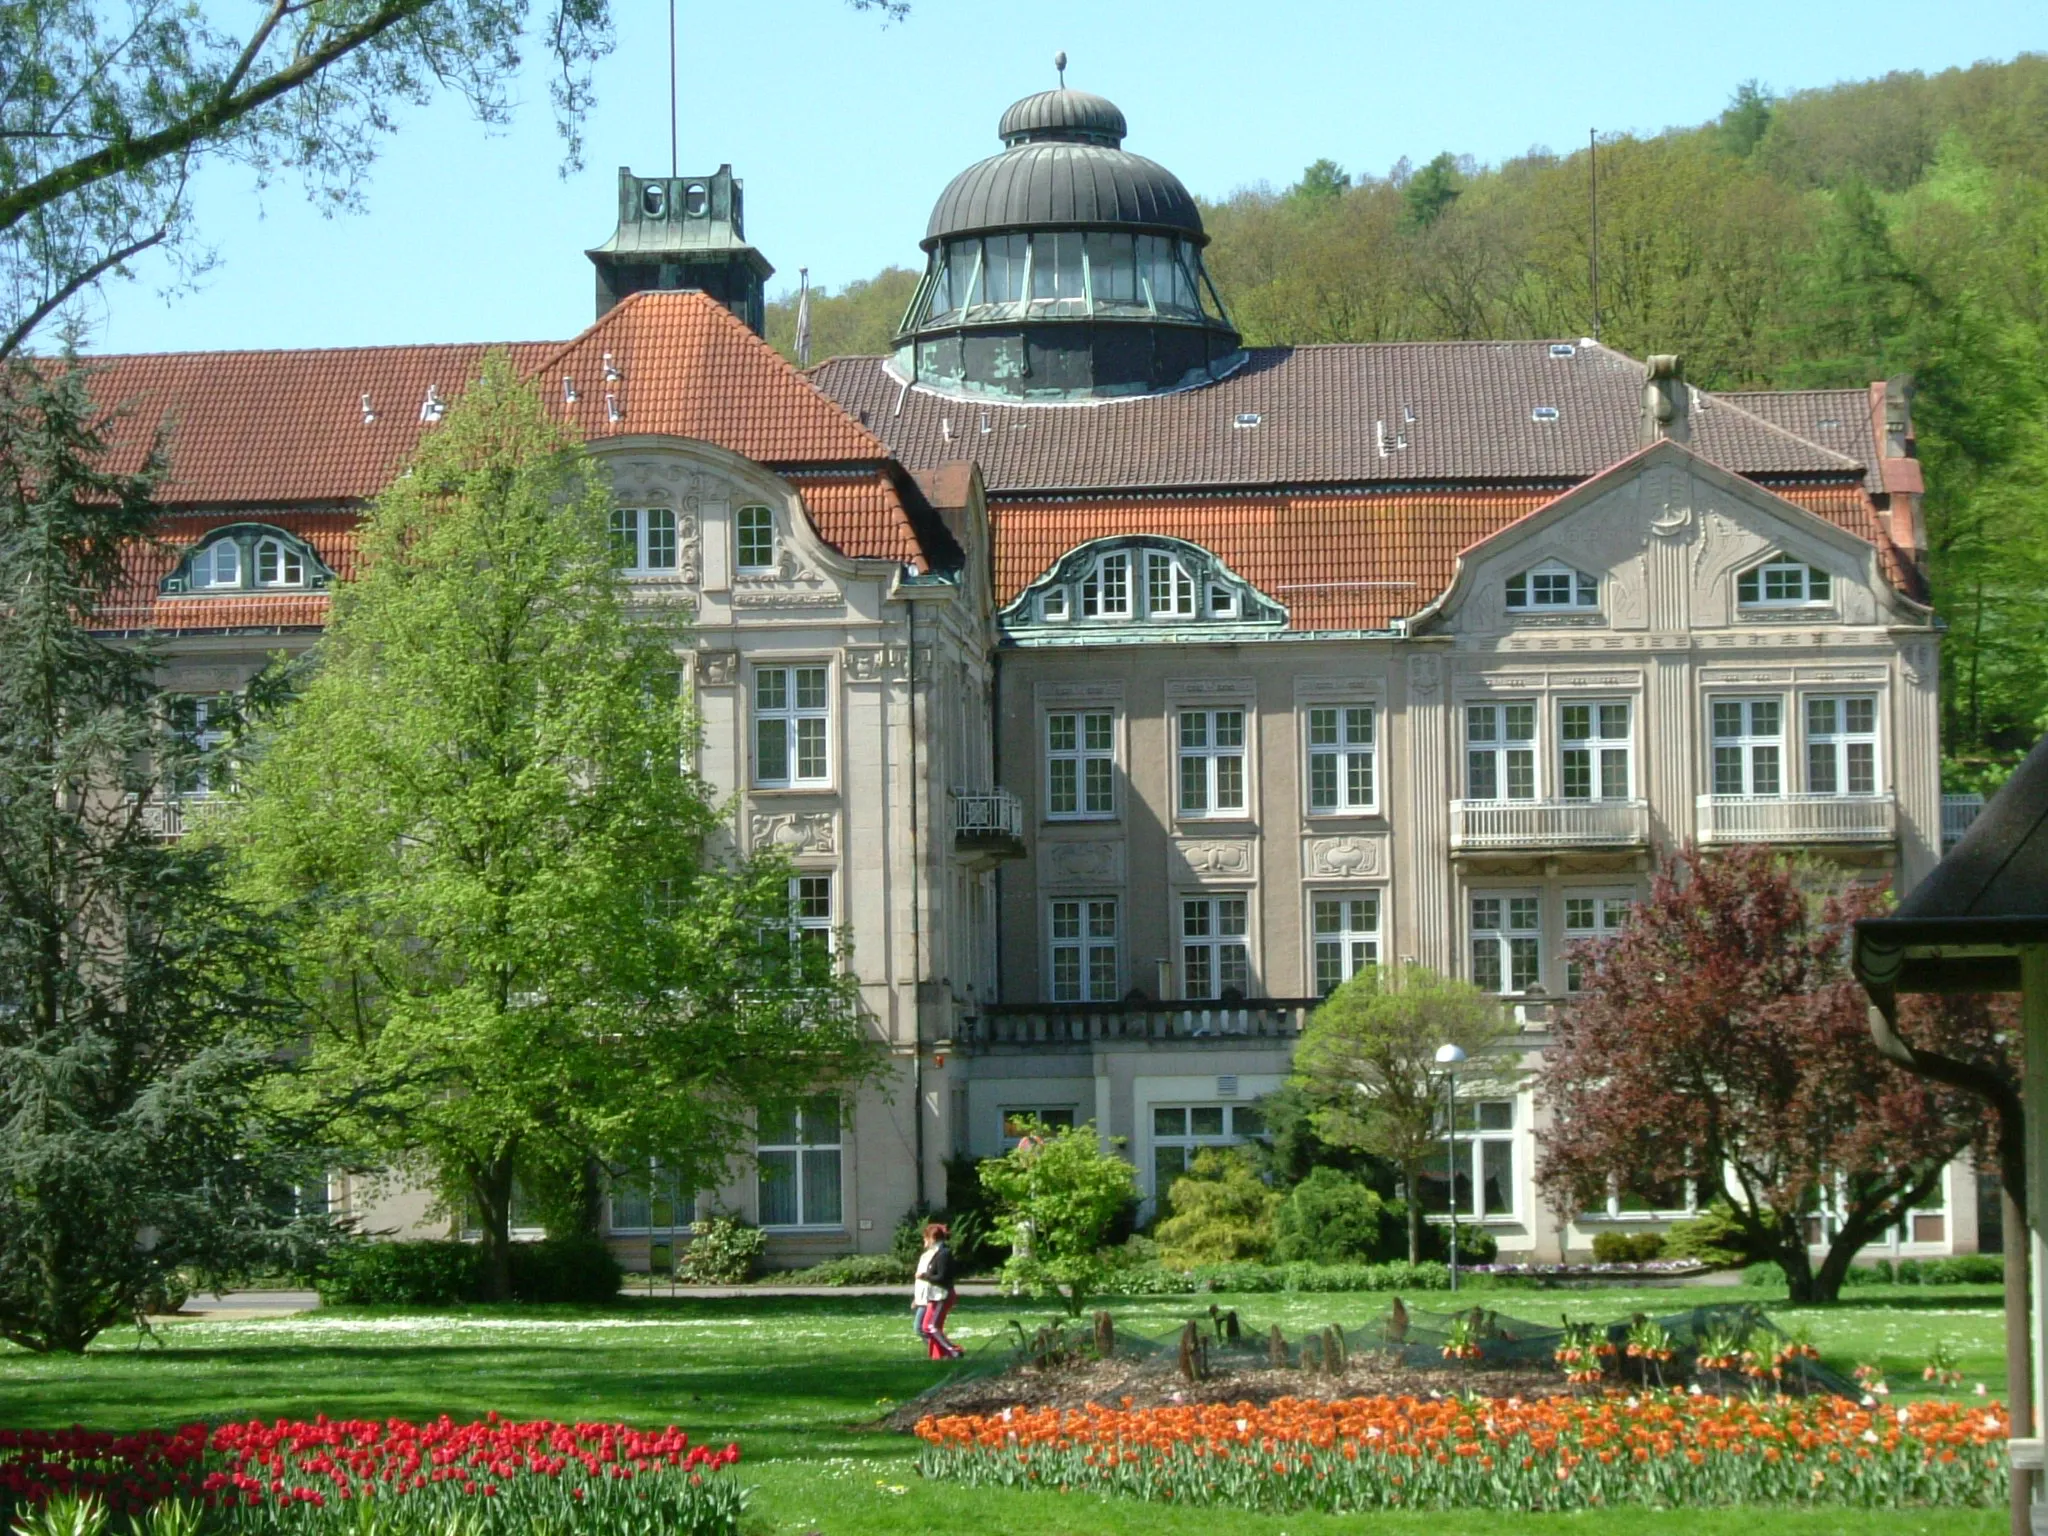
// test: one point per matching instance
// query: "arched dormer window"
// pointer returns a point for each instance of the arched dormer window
(1139, 585)
(248, 557)
(1783, 582)
(1553, 587)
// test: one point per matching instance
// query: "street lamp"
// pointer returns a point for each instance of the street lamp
(1450, 1058)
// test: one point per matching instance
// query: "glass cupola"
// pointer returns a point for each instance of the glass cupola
(1065, 268)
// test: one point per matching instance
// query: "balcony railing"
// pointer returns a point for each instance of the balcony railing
(1797, 818)
(988, 823)
(1957, 814)
(1477, 824)
(167, 817)
(1232, 1023)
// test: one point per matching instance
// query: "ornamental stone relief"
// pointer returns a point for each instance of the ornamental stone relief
(1206, 860)
(1097, 863)
(794, 832)
(1354, 857)
(1425, 675)
(717, 669)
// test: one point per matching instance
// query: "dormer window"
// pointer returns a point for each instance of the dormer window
(278, 564)
(1782, 582)
(217, 565)
(1052, 607)
(1222, 601)
(1106, 592)
(1169, 589)
(248, 557)
(1135, 586)
(1553, 588)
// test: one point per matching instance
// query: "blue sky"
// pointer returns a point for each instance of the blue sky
(846, 129)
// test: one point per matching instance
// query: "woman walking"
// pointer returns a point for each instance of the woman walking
(931, 1297)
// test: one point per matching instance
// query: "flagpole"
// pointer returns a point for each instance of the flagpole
(803, 318)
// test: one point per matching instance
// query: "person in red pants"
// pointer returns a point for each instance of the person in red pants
(932, 1295)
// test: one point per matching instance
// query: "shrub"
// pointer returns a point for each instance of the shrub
(1627, 1247)
(1713, 1237)
(1222, 1212)
(1476, 1245)
(1879, 1273)
(723, 1251)
(1966, 1269)
(577, 1269)
(415, 1274)
(967, 1234)
(1330, 1218)
(1161, 1280)
(851, 1269)
(1061, 1200)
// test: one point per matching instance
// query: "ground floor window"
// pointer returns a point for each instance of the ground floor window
(798, 1153)
(1016, 1121)
(1485, 1184)
(652, 1200)
(1179, 1131)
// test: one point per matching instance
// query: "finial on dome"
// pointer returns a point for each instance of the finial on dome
(1059, 62)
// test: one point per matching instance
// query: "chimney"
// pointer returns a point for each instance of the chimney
(1666, 402)
(1898, 463)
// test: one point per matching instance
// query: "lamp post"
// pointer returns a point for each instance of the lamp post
(1450, 1058)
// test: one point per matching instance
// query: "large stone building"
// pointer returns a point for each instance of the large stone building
(1118, 689)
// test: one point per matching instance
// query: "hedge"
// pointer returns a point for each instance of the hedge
(440, 1274)
(1158, 1280)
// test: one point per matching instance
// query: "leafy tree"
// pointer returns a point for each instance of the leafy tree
(1431, 190)
(1330, 1219)
(1747, 119)
(1324, 181)
(140, 1010)
(1060, 1196)
(1222, 1212)
(478, 814)
(1289, 1150)
(859, 320)
(108, 118)
(1722, 1040)
(1368, 1060)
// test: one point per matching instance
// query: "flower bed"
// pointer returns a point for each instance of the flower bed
(1665, 1449)
(313, 1478)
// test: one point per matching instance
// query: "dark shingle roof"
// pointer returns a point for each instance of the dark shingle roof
(1834, 418)
(1326, 415)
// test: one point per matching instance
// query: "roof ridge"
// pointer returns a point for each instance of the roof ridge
(1776, 430)
(90, 358)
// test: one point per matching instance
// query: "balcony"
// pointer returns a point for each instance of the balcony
(1957, 814)
(1275, 1020)
(168, 817)
(1491, 826)
(1798, 819)
(988, 825)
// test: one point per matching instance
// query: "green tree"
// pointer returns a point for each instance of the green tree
(1222, 1211)
(140, 1008)
(1747, 119)
(1431, 190)
(1368, 1059)
(1324, 181)
(1060, 1195)
(858, 321)
(1329, 1218)
(520, 947)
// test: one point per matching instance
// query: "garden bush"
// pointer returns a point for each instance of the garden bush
(407, 1274)
(1627, 1247)
(1222, 1212)
(1331, 1218)
(723, 1251)
(1164, 1280)
(1713, 1237)
(849, 1269)
(575, 1269)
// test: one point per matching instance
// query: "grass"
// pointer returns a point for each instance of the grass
(792, 1378)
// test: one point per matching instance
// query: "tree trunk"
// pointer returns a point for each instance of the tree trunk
(1796, 1261)
(1414, 1204)
(491, 1183)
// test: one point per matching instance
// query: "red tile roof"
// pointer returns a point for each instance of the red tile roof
(139, 604)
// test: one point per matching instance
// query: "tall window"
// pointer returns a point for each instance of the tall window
(1179, 1131)
(1485, 1163)
(1553, 586)
(1500, 751)
(791, 711)
(644, 539)
(1749, 746)
(1084, 949)
(1169, 589)
(1106, 591)
(1080, 763)
(1340, 759)
(1783, 583)
(1594, 748)
(279, 565)
(200, 721)
(1347, 937)
(1589, 918)
(755, 537)
(651, 1200)
(1507, 943)
(218, 565)
(798, 1153)
(1841, 746)
(1211, 762)
(1215, 960)
(810, 912)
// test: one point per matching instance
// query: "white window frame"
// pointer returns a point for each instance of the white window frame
(1477, 1139)
(1074, 926)
(1220, 601)
(1054, 606)
(203, 734)
(805, 719)
(1215, 945)
(1054, 1117)
(1219, 770)
(1581, 591)
(290, 564)
(1596, 737)
(205, 567)
(1745, 750)
(1170, 588)
(1106, 591)
(636, 545)
(802, 1151)
(1506, 943)
(1342, 753)
(1843, 748)
(1188, 1141)
(682, 1203)
(1816, 587)
(1489, 741)
(811, 909)
(1344, 936)
(743, 526)
(1091, 759)
(1590, 916)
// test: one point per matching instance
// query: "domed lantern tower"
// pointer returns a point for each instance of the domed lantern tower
(1065, 268)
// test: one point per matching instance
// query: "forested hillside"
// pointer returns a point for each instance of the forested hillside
(1827, 237)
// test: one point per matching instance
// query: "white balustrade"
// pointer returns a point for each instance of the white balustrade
(1549, 823)
(1803, 818)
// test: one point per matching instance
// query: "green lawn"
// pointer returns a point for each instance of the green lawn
(790, 1378)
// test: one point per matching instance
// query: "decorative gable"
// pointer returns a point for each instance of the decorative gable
(247, 557)
(1134, 589)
